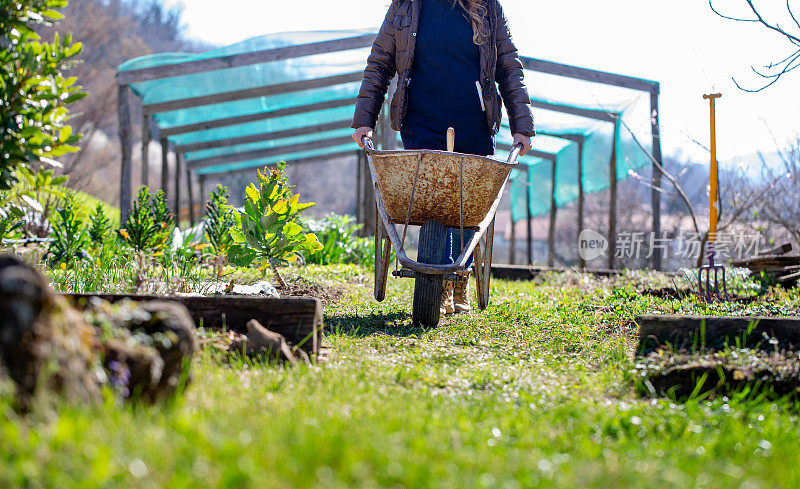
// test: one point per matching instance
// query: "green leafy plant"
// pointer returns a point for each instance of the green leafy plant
(340, 241)
(268, 230)
(70, 239)
(149, 224)
(10, 222)
(99, 225)
(219, 220)
(33, 91)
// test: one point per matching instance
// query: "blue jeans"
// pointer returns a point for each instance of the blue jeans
(453, 246)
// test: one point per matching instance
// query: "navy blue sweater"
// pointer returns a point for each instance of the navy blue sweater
(442, 92)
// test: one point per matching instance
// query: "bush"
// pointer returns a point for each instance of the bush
(149, 225)
(70, 239)
(268, 230)
(340, 241)
(33, 92)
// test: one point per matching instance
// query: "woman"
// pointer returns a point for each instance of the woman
(450, 56)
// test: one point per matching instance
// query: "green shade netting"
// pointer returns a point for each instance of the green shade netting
(598, 137)
(252, 76)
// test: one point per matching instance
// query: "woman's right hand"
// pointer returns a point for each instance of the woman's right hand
(360, 133)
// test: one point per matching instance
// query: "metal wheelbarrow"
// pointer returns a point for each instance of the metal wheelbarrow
(435, 190)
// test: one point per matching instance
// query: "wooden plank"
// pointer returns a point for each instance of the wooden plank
(126, 150)
(530, 272)
(203, 194)
(528, 224)
(551, 230)
(299, 320)
(612, 201)
(778, 250)
(164, 165)
(655, 193)
(767, 261)
(177, 194)
(244, 59)
(586, 74)
(269, 114)
(581, 202)
(512, 243)
(269, 152)
(596, 114)
(145, 153)
(189, 190)
(310, 159)
(264, 136)
(281, 88)
(713, 331)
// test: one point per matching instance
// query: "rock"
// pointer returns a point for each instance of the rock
(149, 345)
(259, 288)
(261, 341)
(40, 334)
(142, 350)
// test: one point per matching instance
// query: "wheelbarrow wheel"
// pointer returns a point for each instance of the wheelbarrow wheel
(428, 287)
(382, 258)
(483, 266)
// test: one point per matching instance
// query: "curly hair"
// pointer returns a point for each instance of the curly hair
(476, 10)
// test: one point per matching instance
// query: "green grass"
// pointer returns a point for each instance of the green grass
(536, 391)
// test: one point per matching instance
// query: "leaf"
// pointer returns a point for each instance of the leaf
(238, 236)
(241, 256)
(33, 203)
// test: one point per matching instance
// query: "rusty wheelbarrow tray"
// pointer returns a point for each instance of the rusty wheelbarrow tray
(431, 189)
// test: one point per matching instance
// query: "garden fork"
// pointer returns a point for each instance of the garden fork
(710, 288)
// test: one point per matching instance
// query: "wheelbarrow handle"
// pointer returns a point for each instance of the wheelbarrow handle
(367, 142)
(512, 158)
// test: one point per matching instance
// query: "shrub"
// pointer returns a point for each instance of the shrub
(268, 230)
(340, 241)
(149, 224)
(69, 236)
(33, 92)
(219, 221)
(99, 225)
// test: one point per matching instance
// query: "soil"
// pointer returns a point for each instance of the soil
(299, 287)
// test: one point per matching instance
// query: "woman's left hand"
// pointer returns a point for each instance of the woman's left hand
(525, 141)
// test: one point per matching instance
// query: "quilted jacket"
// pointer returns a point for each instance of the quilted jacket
(393, 53)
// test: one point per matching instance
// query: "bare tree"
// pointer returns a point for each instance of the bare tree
(773, 71)
(782, 188)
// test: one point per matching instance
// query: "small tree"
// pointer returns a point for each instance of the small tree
(268, 230)
(33, 93)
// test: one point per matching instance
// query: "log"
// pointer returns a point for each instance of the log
(299, 320)
(714, 332)
(767, 261)
(778, 250)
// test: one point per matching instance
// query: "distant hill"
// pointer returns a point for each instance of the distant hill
(752, 164)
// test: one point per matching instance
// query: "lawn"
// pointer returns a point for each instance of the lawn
(536, 391)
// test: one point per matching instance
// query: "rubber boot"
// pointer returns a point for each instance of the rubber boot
(461, 293)
(447, 298)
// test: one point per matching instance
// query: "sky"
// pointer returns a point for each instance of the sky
(680, 43)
